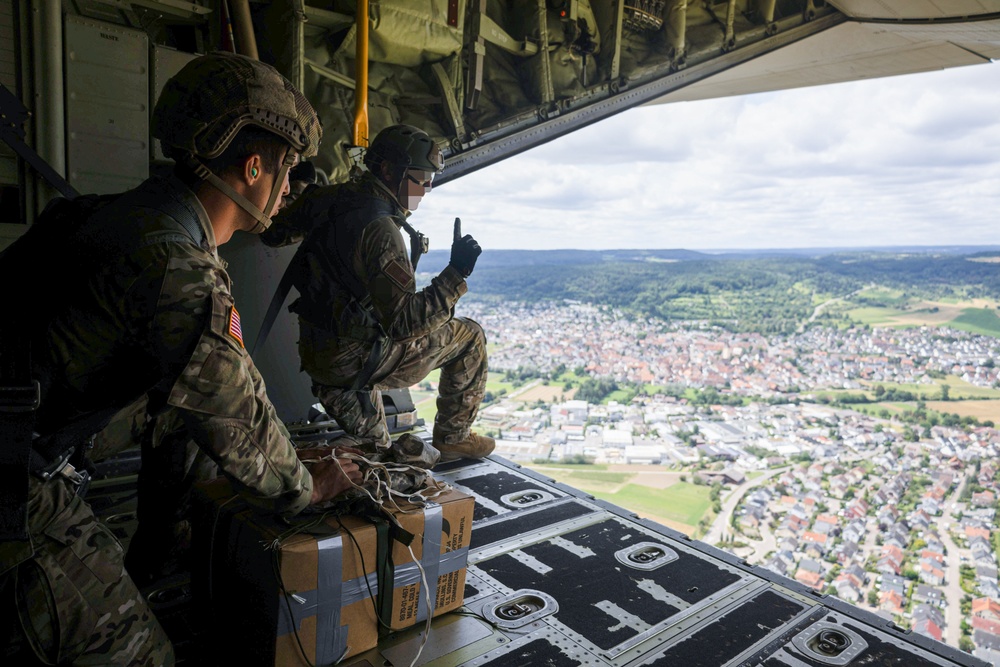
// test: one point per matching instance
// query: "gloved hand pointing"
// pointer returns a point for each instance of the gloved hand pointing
(464, 251)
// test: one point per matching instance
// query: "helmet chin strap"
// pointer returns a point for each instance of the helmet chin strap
(400, 195)
(263, 220)
(279, 184)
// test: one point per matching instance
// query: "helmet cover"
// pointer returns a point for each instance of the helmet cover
(214, 96)
(405, 146)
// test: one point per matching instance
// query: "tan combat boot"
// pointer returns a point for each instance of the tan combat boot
(474, 446)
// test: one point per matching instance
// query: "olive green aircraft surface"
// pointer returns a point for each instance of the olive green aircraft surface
(551, 575)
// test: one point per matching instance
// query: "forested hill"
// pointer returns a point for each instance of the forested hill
(436, 260)
(772, 293)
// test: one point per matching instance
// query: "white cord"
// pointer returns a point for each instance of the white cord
(430, 609)
(376, 482)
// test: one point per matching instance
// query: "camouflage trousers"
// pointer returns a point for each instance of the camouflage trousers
(74, 601)
(458, 348)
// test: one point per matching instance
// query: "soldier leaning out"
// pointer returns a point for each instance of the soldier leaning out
(363, 324)
(148, 311)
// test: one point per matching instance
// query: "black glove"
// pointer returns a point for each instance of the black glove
(464, 251)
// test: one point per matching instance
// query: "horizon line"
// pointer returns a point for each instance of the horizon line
(938, 247)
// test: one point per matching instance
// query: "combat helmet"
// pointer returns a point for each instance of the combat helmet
(213, 97)
(406, 146)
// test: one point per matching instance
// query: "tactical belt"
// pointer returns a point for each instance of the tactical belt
(61, 467)
(22, 399)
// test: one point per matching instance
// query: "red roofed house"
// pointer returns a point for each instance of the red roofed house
(977, 531)
(986, 624)
(930, 554)
(983, 499)
(931, 575)
(813, 580)
(928, 628)
(891, 601)
(986, 608)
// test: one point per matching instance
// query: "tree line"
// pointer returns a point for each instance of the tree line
(764, 295)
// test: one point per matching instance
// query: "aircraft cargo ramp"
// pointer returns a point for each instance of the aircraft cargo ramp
(558, 578)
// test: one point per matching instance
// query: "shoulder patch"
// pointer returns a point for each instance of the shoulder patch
(235, 330)
(399, 274)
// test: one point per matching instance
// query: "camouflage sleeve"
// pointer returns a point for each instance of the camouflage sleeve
(219, 392)
(384, 266)
(300, 215)
(123, 431)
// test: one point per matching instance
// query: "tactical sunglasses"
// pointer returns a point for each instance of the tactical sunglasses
(420, 177)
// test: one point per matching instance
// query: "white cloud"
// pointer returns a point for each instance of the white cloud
(911, 160)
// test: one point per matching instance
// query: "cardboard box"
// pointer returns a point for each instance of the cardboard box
(288, 593)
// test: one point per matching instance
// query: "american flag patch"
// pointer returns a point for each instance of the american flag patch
(235, 330)
(398, 274)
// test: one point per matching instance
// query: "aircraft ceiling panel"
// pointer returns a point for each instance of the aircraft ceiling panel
(849, 52)
(915, 9)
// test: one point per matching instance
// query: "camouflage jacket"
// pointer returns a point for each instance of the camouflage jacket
(157, 316)
(353, 230)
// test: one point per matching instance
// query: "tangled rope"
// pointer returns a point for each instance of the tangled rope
(384, 482)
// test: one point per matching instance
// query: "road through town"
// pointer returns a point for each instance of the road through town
(721, 522)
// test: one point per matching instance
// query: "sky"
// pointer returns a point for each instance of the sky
(906, 160)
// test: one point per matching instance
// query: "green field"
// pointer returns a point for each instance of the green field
(426, 404)
(958, 390)
(896, 313)
(621, 396)
(599, 476)
(570, 376)
(978, 320)
(885, 295)
(554, 469)
(874, 316)
(683, 502)
(494, 384)
(426, 401)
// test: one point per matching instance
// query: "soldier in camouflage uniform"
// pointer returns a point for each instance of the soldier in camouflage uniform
(363, 324)
(149, 311)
